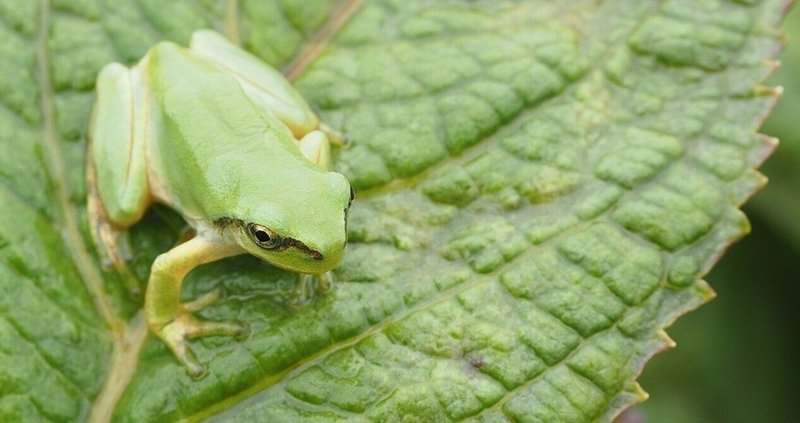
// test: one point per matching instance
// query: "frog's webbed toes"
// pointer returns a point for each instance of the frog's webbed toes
(302, 292)
(185, 327)
(203, 301)
(114, 249)
(202, 329)
(174, 336)
(125, 251)
(307, 285)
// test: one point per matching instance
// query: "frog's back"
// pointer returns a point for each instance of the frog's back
(214, 142)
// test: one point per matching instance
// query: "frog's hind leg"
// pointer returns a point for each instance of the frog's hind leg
(118, 192)
(263, 84)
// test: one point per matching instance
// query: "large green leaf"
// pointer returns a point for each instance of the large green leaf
(541, 186)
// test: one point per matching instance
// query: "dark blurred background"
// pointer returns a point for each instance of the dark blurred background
(737, 358)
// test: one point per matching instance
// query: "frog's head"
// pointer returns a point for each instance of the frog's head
(303, 225)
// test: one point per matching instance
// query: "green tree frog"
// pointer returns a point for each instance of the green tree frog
(224, 139)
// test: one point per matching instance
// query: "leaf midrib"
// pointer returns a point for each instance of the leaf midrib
(71, 234)
(126, 339)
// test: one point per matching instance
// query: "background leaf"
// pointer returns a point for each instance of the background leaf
(540, 186)
(736, 358)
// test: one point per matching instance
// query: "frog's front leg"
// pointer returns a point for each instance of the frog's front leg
(307, 285)
(167, 317)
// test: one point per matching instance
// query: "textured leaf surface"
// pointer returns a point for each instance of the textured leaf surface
(540, 187)
(692, 384)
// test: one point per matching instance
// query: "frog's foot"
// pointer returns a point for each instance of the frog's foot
(124, 247)
(114, 249)
(120, 258)
(335, 137)
(305, 288)
(185, 327)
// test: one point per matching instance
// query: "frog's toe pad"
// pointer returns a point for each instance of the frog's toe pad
(325, 283)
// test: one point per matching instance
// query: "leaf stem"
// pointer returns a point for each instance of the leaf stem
(121, 370)
(322, 39)
(231, 23)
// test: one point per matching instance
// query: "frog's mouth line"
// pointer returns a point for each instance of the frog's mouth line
(285, 242)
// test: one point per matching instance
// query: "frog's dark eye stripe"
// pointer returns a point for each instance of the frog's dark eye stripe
(293, 243)
(263, 236)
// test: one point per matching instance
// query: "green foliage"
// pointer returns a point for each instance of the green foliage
(541, 186)
(736, 358)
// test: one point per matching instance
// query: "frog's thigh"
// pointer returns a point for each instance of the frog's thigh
(316, 147)
(263, 84)
(118, 146)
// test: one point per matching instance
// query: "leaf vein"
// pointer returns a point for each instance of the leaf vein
(41, 357)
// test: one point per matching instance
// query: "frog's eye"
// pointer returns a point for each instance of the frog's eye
(352, 196)
(263, 237)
